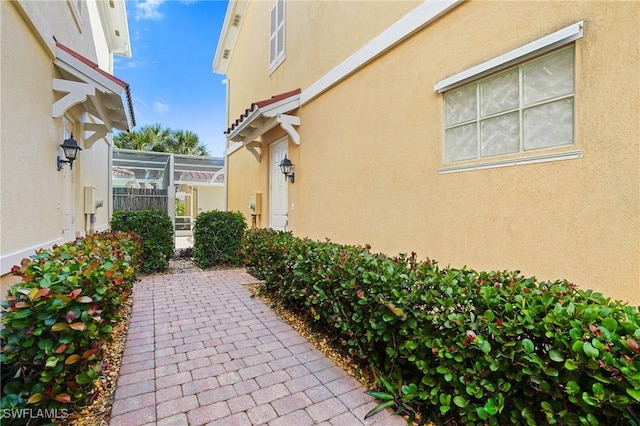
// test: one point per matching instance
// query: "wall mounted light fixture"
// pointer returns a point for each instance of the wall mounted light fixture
(286, 166)
(70, 147)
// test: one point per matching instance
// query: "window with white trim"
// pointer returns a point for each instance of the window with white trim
(523, 108)
(76, 11)
(276, 35)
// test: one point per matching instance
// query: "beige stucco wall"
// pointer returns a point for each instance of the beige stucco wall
(31, 184)
(210, 198)
(31, 187)
(367, 166)
(50, 19)
(248, 177)
(93, 172)
(319, 35)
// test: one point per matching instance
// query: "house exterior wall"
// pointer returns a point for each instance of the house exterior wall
(367, 168)
(210, 198)
(31, 204)
(93, 173)
(251, 177)
(317, 50)
(31, 184)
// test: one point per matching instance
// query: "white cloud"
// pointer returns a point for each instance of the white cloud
(129, 64)
(160, 107)
(139, 102)
(148, 9)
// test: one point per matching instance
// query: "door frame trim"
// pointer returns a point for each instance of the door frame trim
(284, 140)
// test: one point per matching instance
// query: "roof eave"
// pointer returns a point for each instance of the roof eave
(229, 35)
(265, 115)
(113, 15)
(115, 92)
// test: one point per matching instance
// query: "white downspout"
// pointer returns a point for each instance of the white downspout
(171, 196)
(226, 82)
(110, 182)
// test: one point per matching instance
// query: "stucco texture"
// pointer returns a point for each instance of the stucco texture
(29, 150)
(31, 187)
(371, 147)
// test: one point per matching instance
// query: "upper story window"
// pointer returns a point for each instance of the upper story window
(524, 108)
(76, 11)
(276, 35)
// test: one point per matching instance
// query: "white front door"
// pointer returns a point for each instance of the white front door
(68, 193)
(278, 199)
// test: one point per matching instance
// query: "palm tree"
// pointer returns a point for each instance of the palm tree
(187, 142)
(135, 140)
(156, 138)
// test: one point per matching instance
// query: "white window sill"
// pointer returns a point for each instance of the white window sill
(544, 158)
(274, 66)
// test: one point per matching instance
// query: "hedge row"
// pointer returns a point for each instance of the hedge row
(57, 320)
(478, 347)
(217, 236)
(156, 231)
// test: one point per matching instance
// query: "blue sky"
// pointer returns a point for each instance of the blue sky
(173, 44)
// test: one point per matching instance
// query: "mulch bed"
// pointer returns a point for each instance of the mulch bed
(361, 373)
(98, 412)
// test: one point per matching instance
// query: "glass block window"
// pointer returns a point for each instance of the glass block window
(276, 34)
(526, 107)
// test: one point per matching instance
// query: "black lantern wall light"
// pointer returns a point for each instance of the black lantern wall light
(286, 166)
(70, 147)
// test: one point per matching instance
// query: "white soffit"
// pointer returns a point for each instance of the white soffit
(113, 14)
(229, 34)
(537, 47)
(102, 95)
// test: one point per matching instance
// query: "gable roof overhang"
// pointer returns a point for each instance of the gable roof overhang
(113, 15)
(263, 116)
(229, 34)
(102, 95)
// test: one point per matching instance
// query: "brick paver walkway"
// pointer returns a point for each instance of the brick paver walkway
(200, 350)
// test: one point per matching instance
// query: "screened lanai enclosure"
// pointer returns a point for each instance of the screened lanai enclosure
(181, 185)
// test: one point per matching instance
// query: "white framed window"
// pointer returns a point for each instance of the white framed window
(523, 108)
(76, 11)
(276, 35)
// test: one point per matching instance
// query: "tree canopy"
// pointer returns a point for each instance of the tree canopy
(158, 139)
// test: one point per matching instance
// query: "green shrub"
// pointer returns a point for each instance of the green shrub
(56, 321)
(155, 230)
(217, 236)
(479, 347)
(262, 251)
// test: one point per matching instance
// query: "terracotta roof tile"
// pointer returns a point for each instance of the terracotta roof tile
(276, 98)
(202, 176)
(261, 104)
(119, 172)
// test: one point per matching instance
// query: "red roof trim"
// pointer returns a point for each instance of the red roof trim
(276, 98)
(261, 104)
(111, 77)
(92, 65)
